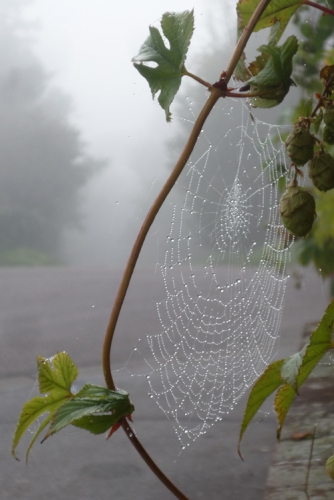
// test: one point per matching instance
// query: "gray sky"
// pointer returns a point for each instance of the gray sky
(88, 45)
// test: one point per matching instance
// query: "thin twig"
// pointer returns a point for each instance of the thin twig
(309, 462)
(324, 94)
(213, 98)
(197, 78)
(215, 94)
(152, 465)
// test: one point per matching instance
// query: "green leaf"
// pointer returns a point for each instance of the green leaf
(278, 11)
(269, 381)
(91, 391)
(55, 377)
(96, 424)
(256, 66)
(100, 401)
(274, 80)
(293, 370)
(166, 77)
(305, 107)
(93, 408)
(31, 411)
(320, 343)
(291, 367)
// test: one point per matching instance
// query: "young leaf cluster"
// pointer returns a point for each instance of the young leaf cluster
(273, 81)
(287, 375)
(94, 408)
(270, 73)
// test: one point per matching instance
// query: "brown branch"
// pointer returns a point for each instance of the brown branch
(152, 465)
(213, 98)
(215, 94)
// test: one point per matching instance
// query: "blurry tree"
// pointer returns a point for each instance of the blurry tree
(43, 163)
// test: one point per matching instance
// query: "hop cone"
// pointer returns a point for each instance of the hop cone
(300, 146)
(328, 135)
(297, 208)
(321, 170)
(329, 117)
(330, 467)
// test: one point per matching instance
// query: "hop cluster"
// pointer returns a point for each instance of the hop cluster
(297, 206)
(321, 170)
(297, 209)
(300, 145)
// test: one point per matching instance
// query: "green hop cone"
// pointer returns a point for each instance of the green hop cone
(321, 170)
(330, 467)
(297, 209)
(328, 135)
(300, 146)
(329, 117)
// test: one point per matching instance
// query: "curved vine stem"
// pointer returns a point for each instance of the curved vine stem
(211, 101)
(215, 94)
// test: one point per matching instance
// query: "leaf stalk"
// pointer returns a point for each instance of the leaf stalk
(197, 78)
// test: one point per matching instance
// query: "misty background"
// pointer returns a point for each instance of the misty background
(85, 150)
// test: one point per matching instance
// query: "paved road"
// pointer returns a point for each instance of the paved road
(43, 311)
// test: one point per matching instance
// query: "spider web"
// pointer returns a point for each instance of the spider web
(223, 273)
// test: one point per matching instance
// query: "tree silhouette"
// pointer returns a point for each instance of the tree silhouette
(42, 157)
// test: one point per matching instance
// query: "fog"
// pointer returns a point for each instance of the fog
(87, 48)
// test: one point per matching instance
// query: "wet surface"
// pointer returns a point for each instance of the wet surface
(43, 311)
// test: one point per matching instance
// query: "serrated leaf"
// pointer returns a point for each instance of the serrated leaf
(96, 424)
(93, 408)
(274, 80)
(256, 66)
(55, 378)
(31, 411)
(56, 375)
(294, 370)
(116, 403)
(278, 11)
(166, 77)
(91, 391)
(306, 107)
(320, 342)
(268, 382)
(291, 368)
